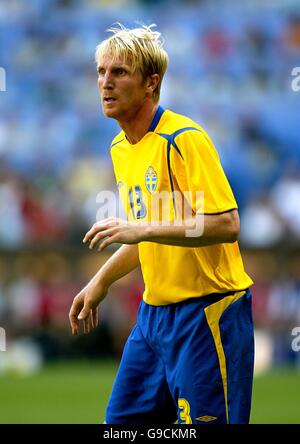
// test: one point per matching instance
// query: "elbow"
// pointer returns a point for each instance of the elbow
(233, 235)
(233, 227)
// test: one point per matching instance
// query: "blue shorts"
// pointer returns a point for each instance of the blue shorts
(190, 361)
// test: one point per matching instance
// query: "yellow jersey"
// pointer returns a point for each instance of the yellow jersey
(176, 157)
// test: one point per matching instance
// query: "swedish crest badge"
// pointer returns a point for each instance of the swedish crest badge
(151, 179)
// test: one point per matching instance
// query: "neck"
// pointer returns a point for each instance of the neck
(138, 124)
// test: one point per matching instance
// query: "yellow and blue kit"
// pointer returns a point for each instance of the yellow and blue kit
(190, 356)
(177, 155)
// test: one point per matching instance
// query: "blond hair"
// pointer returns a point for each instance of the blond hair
(141, 48)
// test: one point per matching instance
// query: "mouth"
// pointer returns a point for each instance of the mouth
(109, 99)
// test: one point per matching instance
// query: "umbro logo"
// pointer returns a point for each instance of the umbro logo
(206, 418)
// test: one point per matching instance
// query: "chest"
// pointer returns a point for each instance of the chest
(143, 176)
(146, 168)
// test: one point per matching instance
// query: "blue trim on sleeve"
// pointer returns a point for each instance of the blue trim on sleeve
(171, 142)
(156, 119)
(171, 137)
(168, 137)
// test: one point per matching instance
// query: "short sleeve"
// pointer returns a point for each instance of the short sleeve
(197, 171)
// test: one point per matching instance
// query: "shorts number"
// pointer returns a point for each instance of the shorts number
(136, 200)
(185, 410)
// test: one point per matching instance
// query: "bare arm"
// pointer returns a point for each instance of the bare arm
(198, 232)
(122, 262)
(86, 302)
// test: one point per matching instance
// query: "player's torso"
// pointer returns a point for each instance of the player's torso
(146, 170)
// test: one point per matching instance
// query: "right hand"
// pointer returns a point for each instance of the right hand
(85, 307)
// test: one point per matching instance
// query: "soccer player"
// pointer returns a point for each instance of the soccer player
(190, 356)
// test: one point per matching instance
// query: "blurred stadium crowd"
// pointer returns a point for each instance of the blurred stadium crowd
(230, 70)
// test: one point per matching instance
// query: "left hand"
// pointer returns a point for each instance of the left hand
(115, 230)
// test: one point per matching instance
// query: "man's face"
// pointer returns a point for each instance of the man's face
(122, 91)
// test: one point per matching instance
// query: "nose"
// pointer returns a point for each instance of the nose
(107, 81)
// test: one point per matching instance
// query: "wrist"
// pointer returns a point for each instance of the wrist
(99, 281)
(146, 233)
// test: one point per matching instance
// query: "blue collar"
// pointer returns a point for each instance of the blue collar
(156, 119)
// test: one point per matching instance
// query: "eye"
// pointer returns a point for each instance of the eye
(101, 71)
(120, 71)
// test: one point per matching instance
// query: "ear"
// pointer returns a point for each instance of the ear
(151, 83)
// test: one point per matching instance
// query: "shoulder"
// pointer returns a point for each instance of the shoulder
(183, 133)
(172, 123)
